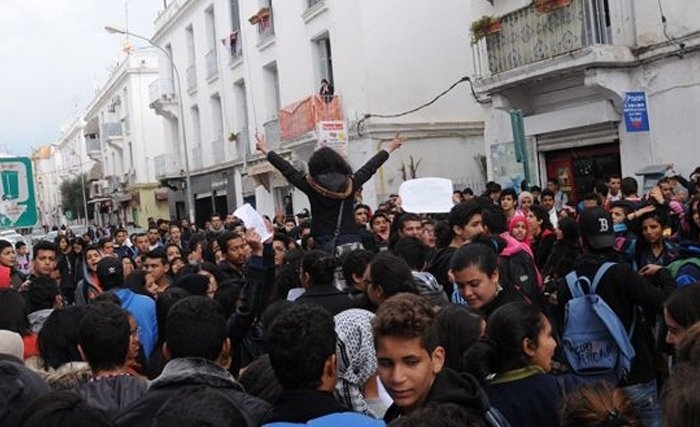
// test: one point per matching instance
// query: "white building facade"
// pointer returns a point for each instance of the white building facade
(248, 67)
(569, 66)
(124, 136)
(71, 161)
(46, 186)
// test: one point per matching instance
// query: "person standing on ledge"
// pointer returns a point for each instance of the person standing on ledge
(330, 185)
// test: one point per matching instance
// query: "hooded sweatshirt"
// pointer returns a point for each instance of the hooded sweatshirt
(461, 389)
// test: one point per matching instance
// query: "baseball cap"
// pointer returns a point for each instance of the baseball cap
(11, 343)
(304, 213)
(110, 272)
(596, 228)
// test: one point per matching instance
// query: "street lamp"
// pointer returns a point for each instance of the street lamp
(188, 181)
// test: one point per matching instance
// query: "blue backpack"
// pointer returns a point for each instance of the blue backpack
(595, 341)
(686, 270)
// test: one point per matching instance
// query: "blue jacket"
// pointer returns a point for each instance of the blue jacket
(316, 409)
(143, 309)
(340, 419)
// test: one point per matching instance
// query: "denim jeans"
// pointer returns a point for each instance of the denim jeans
(646, 400)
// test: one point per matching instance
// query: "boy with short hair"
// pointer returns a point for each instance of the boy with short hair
(410, 362)
(103, 341)
(302, 344)
(23, 264)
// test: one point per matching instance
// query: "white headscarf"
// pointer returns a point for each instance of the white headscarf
(357, 358)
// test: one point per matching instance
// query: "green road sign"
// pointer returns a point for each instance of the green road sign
(17, 204)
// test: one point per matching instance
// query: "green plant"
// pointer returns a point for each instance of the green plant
(482, 27)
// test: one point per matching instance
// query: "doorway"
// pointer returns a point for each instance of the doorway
(577, 169)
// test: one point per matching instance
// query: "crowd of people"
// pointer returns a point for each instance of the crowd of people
(516, 308)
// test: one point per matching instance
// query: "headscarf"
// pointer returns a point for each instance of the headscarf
(522, 195)
(517, 219)
(357, 359)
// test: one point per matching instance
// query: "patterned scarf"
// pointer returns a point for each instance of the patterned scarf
(357, 359)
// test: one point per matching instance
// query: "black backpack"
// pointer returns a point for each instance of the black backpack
(520, 273)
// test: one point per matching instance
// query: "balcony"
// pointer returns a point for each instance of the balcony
(196, 158)
(111, 130)
(191, 73)
(92, 144)
(528, 36)
(161, 90)
(212, 67)
(167, 165)
(300, 118)
(272, 134)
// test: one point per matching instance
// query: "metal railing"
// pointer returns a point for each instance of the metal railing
(196, 159)
(301, 117)
(92, 144)
(161, 89)
(527, 35)
(111, 130)
(272, 134)
(191, 73)
(212, 66)
(167, 164)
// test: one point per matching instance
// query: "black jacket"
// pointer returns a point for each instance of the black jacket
(623, 289)
(325, 208)
(330, 298)
(303, 405)
(112, 394)
(183, 373)
(461, 389)
(505, 295)
(440, 265)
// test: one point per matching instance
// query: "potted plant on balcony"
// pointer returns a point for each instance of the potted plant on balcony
(484, 26)
(544, 6)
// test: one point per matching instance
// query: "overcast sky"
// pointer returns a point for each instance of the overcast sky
(53, 53)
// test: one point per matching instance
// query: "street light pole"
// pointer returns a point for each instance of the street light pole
(188, 180)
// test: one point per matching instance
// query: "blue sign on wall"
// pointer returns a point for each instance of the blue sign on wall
(635, 111)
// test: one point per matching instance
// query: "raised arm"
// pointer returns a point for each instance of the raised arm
(295, 177)
(363, 174)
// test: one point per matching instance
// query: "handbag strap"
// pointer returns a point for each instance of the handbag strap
(340, 219)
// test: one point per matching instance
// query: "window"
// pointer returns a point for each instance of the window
(233, 42)
(191, 69)
(241, 99)
(196, 145)
(265, 21)
(272, 89)
(217, 144)
(210, 57)
(324, 58)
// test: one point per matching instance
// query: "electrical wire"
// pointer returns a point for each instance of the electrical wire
(664, 26)
(368, 116)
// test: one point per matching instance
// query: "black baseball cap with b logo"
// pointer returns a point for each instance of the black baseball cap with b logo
(596, 228)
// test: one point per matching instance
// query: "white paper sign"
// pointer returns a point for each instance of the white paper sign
(253, 220)
(426, 195)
